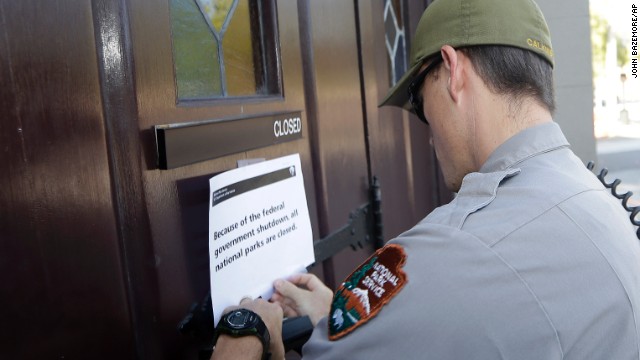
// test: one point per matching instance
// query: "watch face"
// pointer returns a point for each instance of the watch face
(242, 319)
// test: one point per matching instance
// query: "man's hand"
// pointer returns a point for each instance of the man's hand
(246, 346)
(303, 294)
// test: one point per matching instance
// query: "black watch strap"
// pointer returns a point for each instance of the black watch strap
(244, 322)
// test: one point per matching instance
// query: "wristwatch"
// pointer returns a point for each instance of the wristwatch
(244, 322)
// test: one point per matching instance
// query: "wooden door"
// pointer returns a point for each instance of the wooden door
(63, 292)
(176, 199)
(348, 72)
(333, 99)
(343, 143)
(401, 155)
(104, 241)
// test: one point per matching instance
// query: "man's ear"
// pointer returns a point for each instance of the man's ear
(452, 64)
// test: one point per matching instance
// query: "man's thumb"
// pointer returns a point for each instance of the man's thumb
(287, 289)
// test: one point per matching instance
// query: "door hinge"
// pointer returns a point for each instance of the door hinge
(364, 227)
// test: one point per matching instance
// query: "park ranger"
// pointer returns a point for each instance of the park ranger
(533, 259)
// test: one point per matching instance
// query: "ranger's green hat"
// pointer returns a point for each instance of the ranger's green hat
(459, 23)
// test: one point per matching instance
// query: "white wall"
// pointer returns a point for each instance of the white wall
(570, 36)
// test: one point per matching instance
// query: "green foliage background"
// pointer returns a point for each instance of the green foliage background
(600, 31)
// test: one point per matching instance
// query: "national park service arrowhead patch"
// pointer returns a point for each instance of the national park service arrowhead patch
(366, 290)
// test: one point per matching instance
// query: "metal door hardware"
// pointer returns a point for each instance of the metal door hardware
(364, 226)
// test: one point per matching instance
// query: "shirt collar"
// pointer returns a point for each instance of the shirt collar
(525, 144)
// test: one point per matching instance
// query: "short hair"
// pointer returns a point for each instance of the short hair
(514, 72)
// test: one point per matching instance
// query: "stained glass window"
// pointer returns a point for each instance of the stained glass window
(395, 39)
(220, 49)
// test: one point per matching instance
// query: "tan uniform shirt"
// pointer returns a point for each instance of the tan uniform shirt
(534, 259)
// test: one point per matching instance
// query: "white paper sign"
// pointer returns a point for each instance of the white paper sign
(259, 230)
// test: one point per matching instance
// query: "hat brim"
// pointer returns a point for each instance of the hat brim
(399, 94)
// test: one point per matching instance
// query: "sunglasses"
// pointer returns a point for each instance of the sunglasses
(414, 90)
